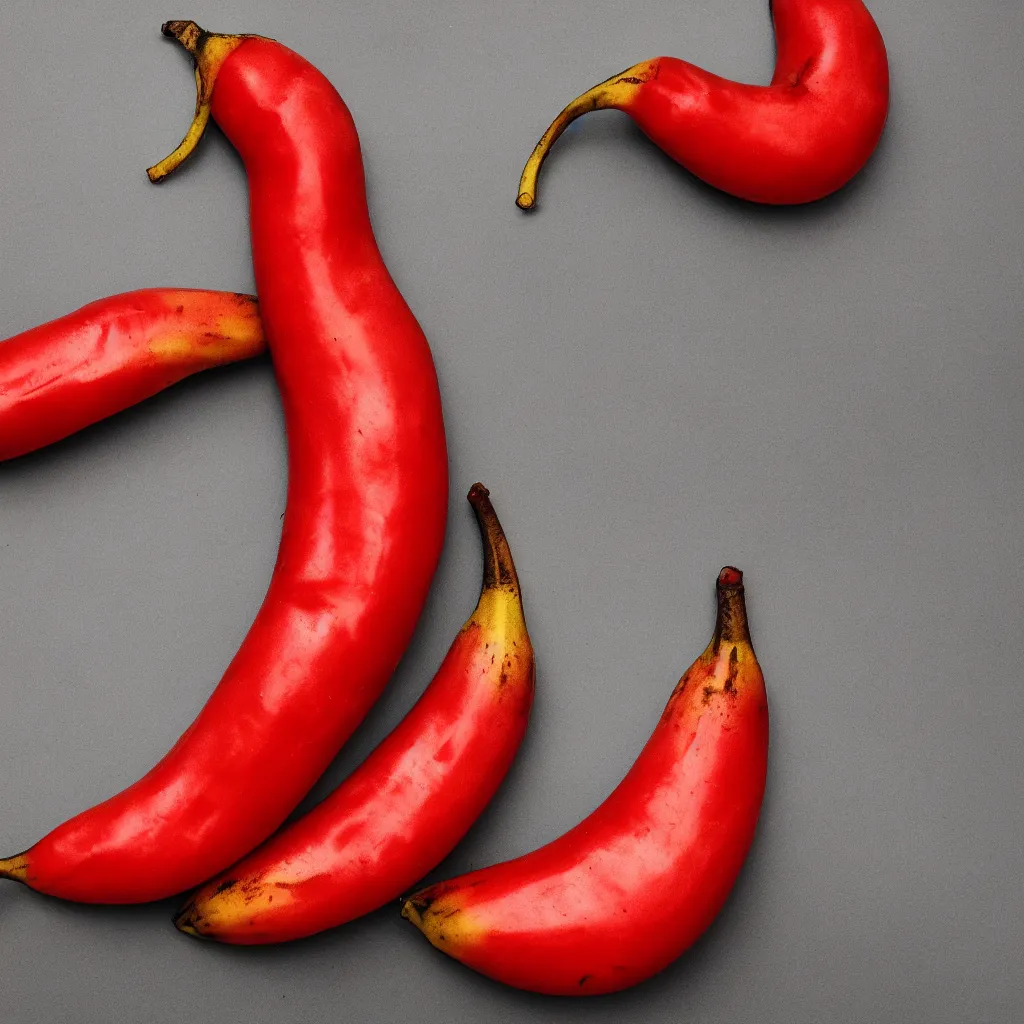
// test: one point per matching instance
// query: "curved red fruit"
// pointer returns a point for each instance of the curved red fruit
(405, 808)
(367, 497)
(622, 894)
(793, 141)
(67, 374)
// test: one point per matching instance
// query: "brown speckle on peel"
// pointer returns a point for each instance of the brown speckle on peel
(734, 668)
(585, 979)
(224, 886)
(709, 692)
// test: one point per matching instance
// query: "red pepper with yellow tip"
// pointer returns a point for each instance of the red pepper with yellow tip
(366, 505)
(65, 375)
(411, 801)
(793, 141)
(620, 896)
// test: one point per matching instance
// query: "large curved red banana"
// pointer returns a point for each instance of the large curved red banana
(366, 508)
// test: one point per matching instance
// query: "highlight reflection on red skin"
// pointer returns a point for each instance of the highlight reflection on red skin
(793, 141)
(362, 533)
(62, 376)
(622, 894)
(408, 804)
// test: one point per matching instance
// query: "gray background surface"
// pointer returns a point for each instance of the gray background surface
(654, 380)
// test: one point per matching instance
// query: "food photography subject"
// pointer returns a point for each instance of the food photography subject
(471, 552)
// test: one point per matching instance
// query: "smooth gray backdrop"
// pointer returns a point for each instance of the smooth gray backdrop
(654, 380)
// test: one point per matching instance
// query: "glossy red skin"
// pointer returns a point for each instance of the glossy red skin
(74, 371)
(362, 534)
(400, 813)
(622, 894)
(794, 141)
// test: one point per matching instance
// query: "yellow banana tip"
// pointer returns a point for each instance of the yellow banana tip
(15, 868)
(411, 911)
(184, 921)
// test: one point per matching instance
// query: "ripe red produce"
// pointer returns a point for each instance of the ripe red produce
(793, 141)
(405, 808)
(622, 894)
(69, 373)
(367, 499)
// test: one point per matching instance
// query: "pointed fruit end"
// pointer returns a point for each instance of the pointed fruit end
(185, 922)
(412, 911)
(15, 868)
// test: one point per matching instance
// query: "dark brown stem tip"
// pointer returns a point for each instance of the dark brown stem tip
(730, 577)
(477, 495)
(731, 623)
(188, 33)
(499, 569)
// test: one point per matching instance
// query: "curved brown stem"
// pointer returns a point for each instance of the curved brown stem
(209, 51)
(731, 625)
(615, 93)
(499, 569)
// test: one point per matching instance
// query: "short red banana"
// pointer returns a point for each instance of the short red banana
(793, 141)
(622, 894)
(69, 373)
(407, 805)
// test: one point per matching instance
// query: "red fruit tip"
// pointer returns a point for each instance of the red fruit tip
(730, 577)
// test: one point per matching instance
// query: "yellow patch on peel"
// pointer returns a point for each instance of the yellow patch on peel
(173, 348)
(499, 614)
(244, 331)
(445, 925)
(232, 337)
(237, 905)
(504, 642)
(729, 670)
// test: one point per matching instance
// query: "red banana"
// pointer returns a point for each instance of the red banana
(793, 141)
(367, 500)
(405, 808)
(621, 895)
(74, 371)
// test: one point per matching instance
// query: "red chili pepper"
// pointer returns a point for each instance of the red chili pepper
(622, 894)
(67, 374)
(367, 498)
(407, 806)
(793, 141)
